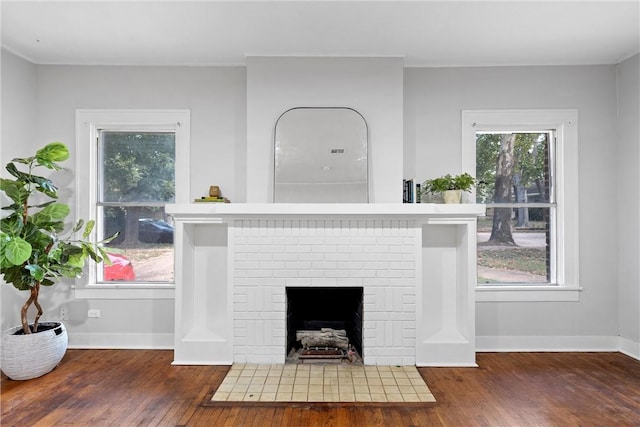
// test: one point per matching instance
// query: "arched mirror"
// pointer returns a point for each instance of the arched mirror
(321, 156)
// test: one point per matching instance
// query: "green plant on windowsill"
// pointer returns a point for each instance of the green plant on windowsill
(451, 187)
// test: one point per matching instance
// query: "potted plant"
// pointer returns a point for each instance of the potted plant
(451, 187)
(35, 252)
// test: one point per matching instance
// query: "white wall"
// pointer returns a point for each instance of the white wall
(19, 102)
(38, 105)
(433, 101)
(216, 98)
(19, 105)
(372, 86)
(628, 204)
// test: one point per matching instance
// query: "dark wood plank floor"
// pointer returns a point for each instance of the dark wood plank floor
(141, 388)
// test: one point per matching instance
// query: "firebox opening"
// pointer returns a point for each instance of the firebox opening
(312, 309)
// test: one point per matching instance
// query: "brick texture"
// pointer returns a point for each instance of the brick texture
(378, 255)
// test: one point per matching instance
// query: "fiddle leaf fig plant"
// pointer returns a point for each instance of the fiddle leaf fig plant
(35, 250)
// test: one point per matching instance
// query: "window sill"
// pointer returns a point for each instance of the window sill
(126, 291)
(517, 293)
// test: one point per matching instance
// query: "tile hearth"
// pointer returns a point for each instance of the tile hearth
(322, 383)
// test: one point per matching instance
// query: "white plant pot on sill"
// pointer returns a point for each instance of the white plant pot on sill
(32, 355)
(452, 196)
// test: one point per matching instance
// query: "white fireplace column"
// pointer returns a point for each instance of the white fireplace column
(415, 263)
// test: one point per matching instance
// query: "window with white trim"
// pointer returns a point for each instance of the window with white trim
(526, 162)
(133, 163)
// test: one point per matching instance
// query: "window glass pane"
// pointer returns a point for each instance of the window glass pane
(513, 167)
(145, 244)
(137, 166)
(514, 246)
(137, 177)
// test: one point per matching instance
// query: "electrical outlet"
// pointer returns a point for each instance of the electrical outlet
(63, 313)
(93, 313)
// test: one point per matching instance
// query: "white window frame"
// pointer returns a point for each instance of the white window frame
(564, 122)
(88, 123)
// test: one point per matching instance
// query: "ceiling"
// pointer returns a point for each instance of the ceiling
(424, 33)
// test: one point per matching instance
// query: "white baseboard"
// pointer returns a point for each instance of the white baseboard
(483, 343)
(202, 362)
(630, 348)
(546, 343)
(121, 341)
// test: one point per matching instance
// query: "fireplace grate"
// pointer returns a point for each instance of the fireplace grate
(322, 353)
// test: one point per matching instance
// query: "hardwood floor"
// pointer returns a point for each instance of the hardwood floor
(141, 388)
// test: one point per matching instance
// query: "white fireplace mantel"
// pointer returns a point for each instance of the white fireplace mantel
(188, 212)
(415, 262)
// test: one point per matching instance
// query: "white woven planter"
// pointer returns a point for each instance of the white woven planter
(32, 355)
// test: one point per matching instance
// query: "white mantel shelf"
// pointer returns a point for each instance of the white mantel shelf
(416, 264)
(263, 210)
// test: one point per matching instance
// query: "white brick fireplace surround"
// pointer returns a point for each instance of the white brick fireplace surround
(416, 265)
